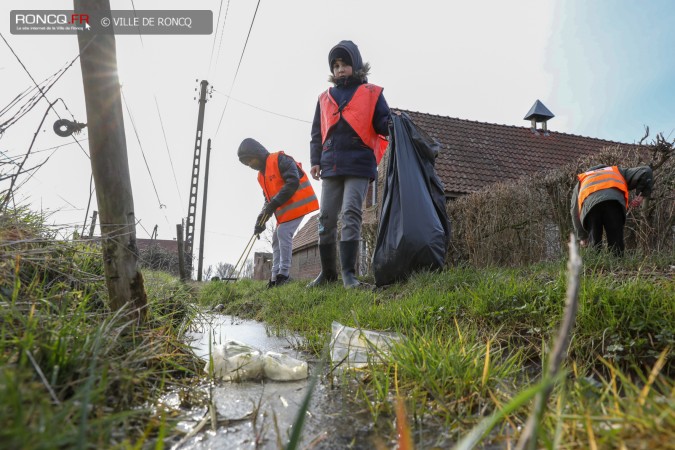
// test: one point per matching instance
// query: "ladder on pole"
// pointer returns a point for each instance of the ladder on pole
(192, 207)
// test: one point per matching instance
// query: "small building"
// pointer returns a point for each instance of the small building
(159, 254)
(262, 266)
(473, 155)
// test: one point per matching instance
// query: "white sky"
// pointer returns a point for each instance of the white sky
(604, 68)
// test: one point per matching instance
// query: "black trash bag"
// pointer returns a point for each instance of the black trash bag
(414, 229)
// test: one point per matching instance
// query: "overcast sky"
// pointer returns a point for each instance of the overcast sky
(605, 68)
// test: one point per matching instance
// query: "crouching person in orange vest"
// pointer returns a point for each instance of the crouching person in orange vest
(600, 201)
(288, 196)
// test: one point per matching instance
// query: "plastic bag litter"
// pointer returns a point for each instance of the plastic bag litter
(414, 228)
(235, 361)
(352, 348)
(280, 367)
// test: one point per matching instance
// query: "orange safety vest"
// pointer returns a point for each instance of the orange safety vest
(358, 113)
(597, 180)
(302, 202)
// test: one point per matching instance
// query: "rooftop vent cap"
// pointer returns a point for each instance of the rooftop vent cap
(538, 113)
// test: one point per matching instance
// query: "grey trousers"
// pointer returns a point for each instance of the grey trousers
(341, 197)
(282, 247)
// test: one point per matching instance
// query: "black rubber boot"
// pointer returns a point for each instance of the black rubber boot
(328, 274)
(349, 251)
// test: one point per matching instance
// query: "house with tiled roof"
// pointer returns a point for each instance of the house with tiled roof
(473, 155)
(306, 262)
(159, 254)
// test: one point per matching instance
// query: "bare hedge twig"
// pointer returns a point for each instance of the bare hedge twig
(529, 435)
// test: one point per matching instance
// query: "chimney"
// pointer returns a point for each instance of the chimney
(539, 113)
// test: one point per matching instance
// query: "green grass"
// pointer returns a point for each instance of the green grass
(74, 374)
(625, 322)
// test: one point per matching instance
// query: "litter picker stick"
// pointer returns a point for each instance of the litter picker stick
(244, 255)
(249, 247)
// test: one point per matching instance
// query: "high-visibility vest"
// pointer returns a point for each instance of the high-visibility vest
(302, 202)
(358, 113)
(599, 179)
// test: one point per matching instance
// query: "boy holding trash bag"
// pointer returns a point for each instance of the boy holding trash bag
(346, 145)
(288, 195)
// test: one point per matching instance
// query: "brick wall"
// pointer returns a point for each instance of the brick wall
(306, 263)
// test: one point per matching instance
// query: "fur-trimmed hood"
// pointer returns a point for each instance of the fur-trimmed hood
(358, 77)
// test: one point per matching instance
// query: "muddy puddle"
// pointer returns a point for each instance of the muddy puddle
(260, 414)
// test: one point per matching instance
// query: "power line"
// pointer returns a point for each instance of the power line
(220, 43)
(262, 109)
(133, 125)
(43, 94)
(238, 66)
(9, 195)
(30, 103)
(166, 143)
(215, 35)
(161, 122)
(59, 146)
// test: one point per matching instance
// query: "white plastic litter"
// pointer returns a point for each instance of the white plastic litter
(235, 361)
(354, 348)
(280, 367)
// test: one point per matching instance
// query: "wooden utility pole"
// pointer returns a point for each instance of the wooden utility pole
(200, 266)
(109, 164)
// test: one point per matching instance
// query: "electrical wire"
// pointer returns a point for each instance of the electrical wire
(19, 170)
(138, 139)
(56, 147)
(238, 66)
(43, 93)
(161, 122)
(215, 35)
(222, 33)
(262, 109)
(166, 143)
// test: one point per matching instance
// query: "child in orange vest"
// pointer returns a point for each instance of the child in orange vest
(349, 120)
(289, 196)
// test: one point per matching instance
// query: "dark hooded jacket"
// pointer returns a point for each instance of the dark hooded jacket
(344, 153)
(250, 148)
(639, 178)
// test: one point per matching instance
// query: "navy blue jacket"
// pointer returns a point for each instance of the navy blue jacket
(344, 153)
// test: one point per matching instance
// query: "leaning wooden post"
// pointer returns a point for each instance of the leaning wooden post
(93, 224)
(181, 252)
(109, 164)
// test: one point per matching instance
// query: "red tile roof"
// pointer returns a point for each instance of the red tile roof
(165, 244)
(476, 154)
